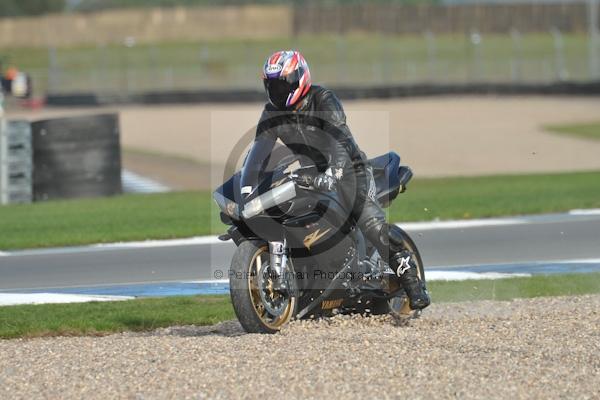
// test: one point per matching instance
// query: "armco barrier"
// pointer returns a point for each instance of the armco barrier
(398, 91)
(76, 157)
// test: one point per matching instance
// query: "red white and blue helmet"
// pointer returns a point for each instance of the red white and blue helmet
(286, 78)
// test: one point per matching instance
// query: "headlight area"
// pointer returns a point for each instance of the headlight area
(272, 198)
(229, 208)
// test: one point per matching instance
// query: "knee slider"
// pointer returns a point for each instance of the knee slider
(395, 238)
(387, 235)
(375, 230)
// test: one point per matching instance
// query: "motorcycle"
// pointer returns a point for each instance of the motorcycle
(298, 254)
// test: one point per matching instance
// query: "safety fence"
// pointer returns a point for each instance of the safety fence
(286, 20)
(362, 43)
(402, 18)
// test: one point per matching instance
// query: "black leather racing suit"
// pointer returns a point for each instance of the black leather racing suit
(318, 130)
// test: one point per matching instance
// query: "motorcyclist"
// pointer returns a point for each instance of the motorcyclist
(310, 120)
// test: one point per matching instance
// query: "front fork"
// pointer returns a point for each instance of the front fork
(278, 258)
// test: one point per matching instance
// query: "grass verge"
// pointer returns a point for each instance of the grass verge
(513, 288)
(102, 318)
(495, 196)
(585, 131)
(185, 214)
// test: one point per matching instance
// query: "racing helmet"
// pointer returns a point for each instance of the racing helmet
(286, 78)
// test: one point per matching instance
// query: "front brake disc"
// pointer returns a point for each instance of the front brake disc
(274, 301)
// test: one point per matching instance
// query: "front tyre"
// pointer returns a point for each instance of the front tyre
(258, 306)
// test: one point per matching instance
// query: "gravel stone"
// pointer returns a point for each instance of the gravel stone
(523, 349)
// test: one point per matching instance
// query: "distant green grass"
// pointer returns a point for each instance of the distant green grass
(185, 214)
(101, 318)
(120, 218)
(334, 60)
(585, 131)
(512, 288)
(480, 197)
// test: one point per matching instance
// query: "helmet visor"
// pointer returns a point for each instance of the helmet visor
(279, 90)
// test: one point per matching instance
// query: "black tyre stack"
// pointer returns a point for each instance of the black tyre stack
(76, 157)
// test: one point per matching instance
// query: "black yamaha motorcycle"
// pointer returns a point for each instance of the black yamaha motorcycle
(299, 255)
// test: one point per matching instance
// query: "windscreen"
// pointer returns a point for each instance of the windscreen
(264, 157)
(255, 163)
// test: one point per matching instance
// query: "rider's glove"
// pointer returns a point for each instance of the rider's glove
(325, 183)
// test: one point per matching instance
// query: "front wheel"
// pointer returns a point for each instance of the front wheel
(258, 305)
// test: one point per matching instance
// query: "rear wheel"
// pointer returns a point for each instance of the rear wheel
(260, 308)
(399, 306)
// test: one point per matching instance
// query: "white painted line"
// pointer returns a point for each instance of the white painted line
(10, 299)
(193, 241)
(134, 183)
(576, 261)
(210, 240)
(198, 240)
(105, 285)
(522, 263)
(591, 211)
(465, 275)
(433, 275)
(218, 281)
(461, 224)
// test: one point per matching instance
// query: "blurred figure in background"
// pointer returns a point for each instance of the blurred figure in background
(16, 82)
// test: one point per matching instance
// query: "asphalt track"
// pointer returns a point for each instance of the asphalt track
(527, 244)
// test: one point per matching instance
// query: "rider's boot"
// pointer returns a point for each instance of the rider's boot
(391, 244)
(406, 269)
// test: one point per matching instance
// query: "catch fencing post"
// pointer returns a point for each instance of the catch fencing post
(3, 155)
(559, 54)
(53, 71)
(431, 56)
(476, 40)
(341, 59)
(515, 65)
(594, 39)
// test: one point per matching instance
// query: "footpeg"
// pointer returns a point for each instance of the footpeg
(225, 237)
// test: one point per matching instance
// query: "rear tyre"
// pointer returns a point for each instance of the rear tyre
(258, 312)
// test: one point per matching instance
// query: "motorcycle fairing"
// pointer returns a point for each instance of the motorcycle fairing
(390, 177)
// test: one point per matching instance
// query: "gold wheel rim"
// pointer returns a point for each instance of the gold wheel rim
(273, 323)
(412, 250)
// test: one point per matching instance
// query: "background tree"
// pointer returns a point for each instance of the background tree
(15, 8)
